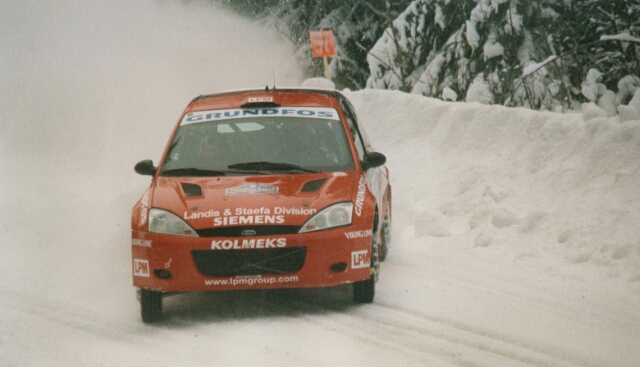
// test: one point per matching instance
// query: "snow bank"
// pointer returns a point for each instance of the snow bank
(318, 83)
(529, 182)
(500, 196)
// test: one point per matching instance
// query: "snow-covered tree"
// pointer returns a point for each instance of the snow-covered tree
(356, 25)
(533, 53)
(615, 59)
(518, 52)
(465, 40)
(409, 52)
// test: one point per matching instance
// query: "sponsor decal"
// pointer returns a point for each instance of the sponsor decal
(242, 216)
(251, 280)
(140, 242)
(259, 99)
(294, 211)
(236, 113)
(360, 259)
(339, 174)
(252, 190)
(144, 208)
(248, 219)
(360, 195)
(245, 211)
(247, 216)
(252, 243)
(197, 215)
(140, 268)
(358, 234)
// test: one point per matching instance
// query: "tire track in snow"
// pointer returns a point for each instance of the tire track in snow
(63, 313)
(540, 296)
(552, 298)
(482, 339)
(429, 337)
(147, 343)
(405, 331)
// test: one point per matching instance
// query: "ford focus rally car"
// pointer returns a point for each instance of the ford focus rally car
(262, 189)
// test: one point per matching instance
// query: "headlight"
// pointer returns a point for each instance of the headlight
(162, 221)
(334, 216)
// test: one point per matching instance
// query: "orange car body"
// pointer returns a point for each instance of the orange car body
(242, 230)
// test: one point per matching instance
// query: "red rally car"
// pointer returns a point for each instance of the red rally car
(262, 189)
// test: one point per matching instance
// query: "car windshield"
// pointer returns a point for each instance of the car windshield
(258, 145)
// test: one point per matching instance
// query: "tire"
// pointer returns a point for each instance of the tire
(364, 291)
(385, 234)
(150, 306)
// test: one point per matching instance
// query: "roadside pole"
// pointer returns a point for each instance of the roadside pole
(327, 73)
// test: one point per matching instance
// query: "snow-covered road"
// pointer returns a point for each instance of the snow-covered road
(515, 239)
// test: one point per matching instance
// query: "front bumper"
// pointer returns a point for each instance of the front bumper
(326, 258)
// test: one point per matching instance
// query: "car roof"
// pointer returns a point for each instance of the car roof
(266, 98)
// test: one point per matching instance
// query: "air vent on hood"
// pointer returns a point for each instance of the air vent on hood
(191, 189)
(313, 186)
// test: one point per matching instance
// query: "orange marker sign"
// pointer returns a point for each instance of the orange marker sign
(322, 43)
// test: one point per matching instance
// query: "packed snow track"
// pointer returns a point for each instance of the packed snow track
(515, 236)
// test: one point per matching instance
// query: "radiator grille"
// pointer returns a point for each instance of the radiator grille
(218, 263)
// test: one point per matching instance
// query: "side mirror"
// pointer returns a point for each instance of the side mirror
(146, 168)
(373, 160)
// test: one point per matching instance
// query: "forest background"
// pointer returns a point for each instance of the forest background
(557, 55)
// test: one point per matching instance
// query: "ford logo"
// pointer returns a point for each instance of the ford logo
(248, 232)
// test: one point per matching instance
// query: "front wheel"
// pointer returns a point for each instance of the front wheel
(365, 290)
(385, 234)
(150, 306)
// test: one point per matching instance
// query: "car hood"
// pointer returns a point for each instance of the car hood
(229, 201)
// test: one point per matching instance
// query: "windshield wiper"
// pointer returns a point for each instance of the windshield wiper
(178, 172)
(273, 166)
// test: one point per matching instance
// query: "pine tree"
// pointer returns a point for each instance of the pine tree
(614, 59)
(542, 54)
